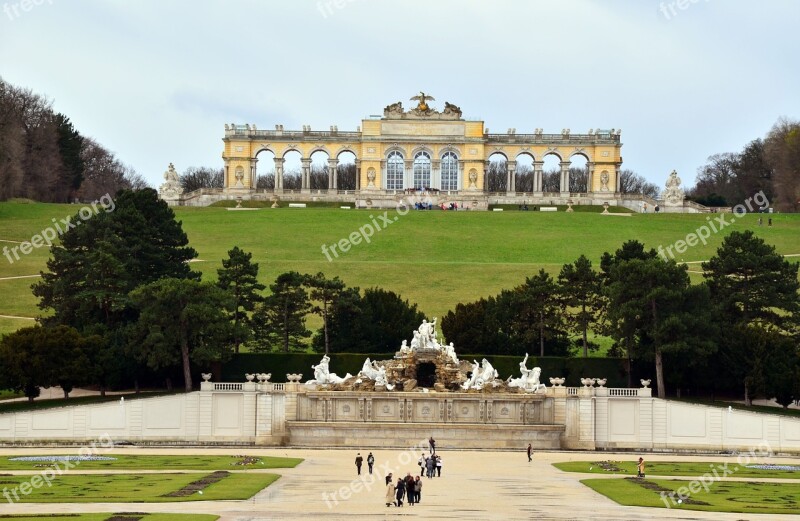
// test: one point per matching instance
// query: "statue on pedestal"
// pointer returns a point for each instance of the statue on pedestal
(323, 376)
(529, 380)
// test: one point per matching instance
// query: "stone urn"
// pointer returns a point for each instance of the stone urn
(249, 377)
(601, 382)
(293, 378)
(569, 205)
(605, 207)
(645, 383)
(557, 382)
(264, 377)
(206, 377)
(587, 382)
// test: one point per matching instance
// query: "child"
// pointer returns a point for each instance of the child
(640, 466)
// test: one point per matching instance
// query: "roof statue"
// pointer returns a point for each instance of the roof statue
(422, 98)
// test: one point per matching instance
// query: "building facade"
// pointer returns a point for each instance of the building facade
(422, 149)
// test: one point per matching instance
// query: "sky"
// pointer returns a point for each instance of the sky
(155, 81)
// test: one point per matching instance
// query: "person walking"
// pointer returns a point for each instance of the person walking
(410, 494)
(359, 462)
(399, 492)
(389, 478)
(530, 453)
(438, 466)
(640, 468)
(370, 462)
(432, 444)
(418, 489)
(389, 490)
(423, 462)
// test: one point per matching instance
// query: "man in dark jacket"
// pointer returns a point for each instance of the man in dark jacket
(359, 462)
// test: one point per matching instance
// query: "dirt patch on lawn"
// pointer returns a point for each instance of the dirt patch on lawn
(649, 485)
(200, 484)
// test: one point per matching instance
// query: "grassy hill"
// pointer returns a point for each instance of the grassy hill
(433, 258)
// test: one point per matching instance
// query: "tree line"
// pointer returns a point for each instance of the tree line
(122, 302)
(740, 324)
(44, 157)
(770, 165)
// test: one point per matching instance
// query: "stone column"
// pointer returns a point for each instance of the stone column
(565, 178)
(486, 165)
(279, 161)
(306, 175)
(511, 174)
(538, 170)
(409, 174)
(358, 174)
(616, 174)
(590, 178)
(253, 173)
(333, 164)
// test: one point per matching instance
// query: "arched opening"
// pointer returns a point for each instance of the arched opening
(292, 170)
(422, 171)
(551, 174)
(579, 174)
(346, 174)
(426, 374)
(497, 173)
(449, 172)
(319, 171)
(395, 171)
(524, 173)
(265, 170)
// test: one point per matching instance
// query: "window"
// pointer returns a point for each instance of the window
(449, 171)
(422, 171)
(395, 168)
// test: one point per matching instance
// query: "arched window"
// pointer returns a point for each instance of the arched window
(422, 171)
(395, 168)
(449, 171)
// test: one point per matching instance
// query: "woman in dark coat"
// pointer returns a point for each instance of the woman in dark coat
(400, 490)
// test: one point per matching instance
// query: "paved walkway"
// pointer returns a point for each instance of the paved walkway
(474, 486)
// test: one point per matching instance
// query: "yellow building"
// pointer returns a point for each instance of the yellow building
(421, 149)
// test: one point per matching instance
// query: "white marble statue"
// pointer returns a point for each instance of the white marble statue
(369, 370)
(472, 382)
(323, 376)
(450, 350)
(488, 372)
(415, 342)
(404, 347)
(529, 381)
(427, 335)
(380, 379)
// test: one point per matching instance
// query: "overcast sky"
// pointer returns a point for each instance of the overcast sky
(155, 81)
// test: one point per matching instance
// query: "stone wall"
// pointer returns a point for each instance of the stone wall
(267, 414)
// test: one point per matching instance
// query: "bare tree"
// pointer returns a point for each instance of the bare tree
(551, 181)
(292, 180)
(318, 177)
(265, 182)
(195, 178)
(632, 183)
(524, 179)
(783, 151)
(346, 176)
(496, 177)
(579, 180)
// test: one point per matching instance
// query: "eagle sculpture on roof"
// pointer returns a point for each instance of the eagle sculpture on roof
(423, 98)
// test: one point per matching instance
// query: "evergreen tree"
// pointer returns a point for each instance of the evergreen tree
(181, 321)
(70, 147)
(376, 322)
(324, 292)
(653, 300)
(281, 319)
(239, 276)
(579, 287)
(756, 294)
(538, 316)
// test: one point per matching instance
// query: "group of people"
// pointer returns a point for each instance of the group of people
(409, 488)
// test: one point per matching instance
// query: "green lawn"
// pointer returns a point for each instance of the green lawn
(671, 468)
(6, 394)
(436, 259)
(149, 462)
(136, 488)
(722, 496)
(104, 517)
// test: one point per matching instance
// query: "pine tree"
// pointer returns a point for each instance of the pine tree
(281, 319)
(239, 276)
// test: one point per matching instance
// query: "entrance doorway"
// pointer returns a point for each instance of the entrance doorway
(426, 374)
